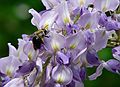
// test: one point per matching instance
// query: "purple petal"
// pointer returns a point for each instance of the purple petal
(63, 57)
(92, 57)
(62, 74)
(76, 41)
(113, 65)
(2, 74)
(48, 19)
(9, 65)
(36, 17)
(12, 49)
(32, 76)
(5, 81)
(25, 37)
(55, 42)
(90, 38)
(105, 5)
(51, 83)
(76, 74)
(26, 68)
(111, 25)
(30, 51)
(72, 84)
(77, 11)
(79, 74)
(48, 72)
(97, 73)
(50, 3)
(69, 29)
(17, 82)
(64, 13)
(79, 84)
(116, 52)
(101, 38)
(21, 54)
(82, 73)
(39, 64)
(102, 20)
(113, 4)
(84, 19)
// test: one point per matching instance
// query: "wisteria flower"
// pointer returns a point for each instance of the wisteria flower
(69, 35)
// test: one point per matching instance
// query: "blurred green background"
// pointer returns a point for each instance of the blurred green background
(15, 21)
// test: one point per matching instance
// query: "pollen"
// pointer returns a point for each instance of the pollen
(30, 55)
(9, 71)
(104, 8)
(55, 45)
(82, 2)
(88, 26)
(72, 46)
(66, 20)
(60, 78)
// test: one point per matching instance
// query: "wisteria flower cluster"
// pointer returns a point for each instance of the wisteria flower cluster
(69, 36)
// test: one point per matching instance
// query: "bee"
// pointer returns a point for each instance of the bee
(37, 38)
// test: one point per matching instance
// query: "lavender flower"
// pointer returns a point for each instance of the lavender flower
(111, 65)
(69, 35)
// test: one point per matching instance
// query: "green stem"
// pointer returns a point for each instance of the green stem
(118, 34)
(76, 18)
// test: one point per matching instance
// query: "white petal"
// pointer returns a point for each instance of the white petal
(50, 3)
(12, 49)
(36, 17)
(55, 42)
(17, 82)
(47, 20)
(39, 64)
(64, 13)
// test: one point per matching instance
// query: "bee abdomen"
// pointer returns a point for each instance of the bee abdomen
(37, 42)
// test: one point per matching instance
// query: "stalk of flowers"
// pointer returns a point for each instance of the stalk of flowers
(69, 35)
